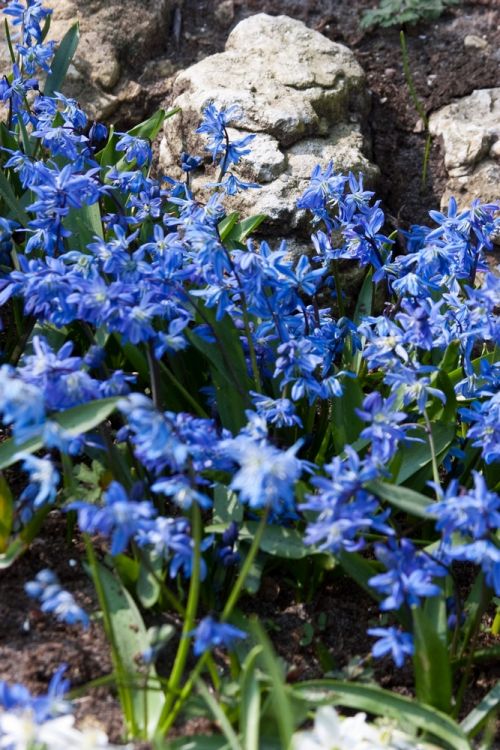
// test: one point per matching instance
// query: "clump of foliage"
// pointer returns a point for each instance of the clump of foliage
(210, 408)
(402, 12)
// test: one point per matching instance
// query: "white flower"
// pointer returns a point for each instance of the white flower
(330, 732)
(19, 731)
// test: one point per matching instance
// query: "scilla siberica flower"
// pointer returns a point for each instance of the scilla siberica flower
(55, 599)
(384, 430)
(209, 634)
(393, 642)
(409, 576)
(345, 510)
(22, 405)
(42, 487)
(267, 476)
(120, 518)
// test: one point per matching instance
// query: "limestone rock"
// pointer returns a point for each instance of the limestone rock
(303, 96)
(470, 133)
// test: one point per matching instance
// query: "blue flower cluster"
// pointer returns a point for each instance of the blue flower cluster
(53, 598)
(136, 283)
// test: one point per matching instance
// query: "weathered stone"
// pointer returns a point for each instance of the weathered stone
(301, 94)
(470, 133)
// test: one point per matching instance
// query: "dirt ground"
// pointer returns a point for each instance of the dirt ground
(33, 645)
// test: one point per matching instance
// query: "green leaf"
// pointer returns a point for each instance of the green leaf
(227, 506)
(254, 576)
(227, 224)
(346, 424)
(416, 456)
(6, 513)
(431, 661)
(148, 586)
(401, 497)
(131, 640)
(359, 569)
(283, 713)
(243, 229)
(250, 700)
(151, 127)
(220, 717)
(108, 155)
(21, 543)
(477, 718)
(380, 702)
(84, 224)
(11, 200)
(228, 369)
(76, 421)
(365, 299)
(62, 60)
(278, 541)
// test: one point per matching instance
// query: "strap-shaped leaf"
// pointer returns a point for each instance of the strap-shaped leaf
(76, 421)
(62, 60)
(380, 702)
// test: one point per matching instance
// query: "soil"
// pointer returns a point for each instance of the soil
(33, 645)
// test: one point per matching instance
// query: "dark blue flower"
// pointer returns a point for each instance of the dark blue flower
(396, 643)
(210, 634)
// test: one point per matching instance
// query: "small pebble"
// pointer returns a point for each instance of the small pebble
(471, 41)
(390, 72)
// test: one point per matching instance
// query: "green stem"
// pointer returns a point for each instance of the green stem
(432, 446)
(338, 289)
(245, 569)
(197, 409)
(154, 375)
(167, 719)
(471, 643)
(121, 681)
(191, 610)
(251, 347)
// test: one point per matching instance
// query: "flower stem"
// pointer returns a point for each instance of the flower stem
(167, 719)
(432, 446)
(191, 610)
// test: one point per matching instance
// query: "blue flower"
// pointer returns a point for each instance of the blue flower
(485, 429)
(42, 487)
(472, 513)
(345, 510)
(136, 149)
(209, 634)
(409, 576)
(190, 163)
(277, 411)
(55, 599)
(394, 642)
(384, 431)
(29, 16)
(266, 476)
(22, 405)
(324, 187)
(120, 518)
